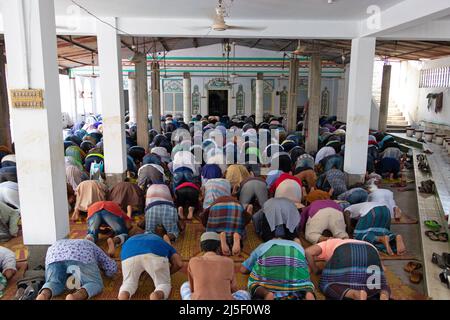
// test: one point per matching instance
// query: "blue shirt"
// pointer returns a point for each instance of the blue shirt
(262, 248)
(146, 243)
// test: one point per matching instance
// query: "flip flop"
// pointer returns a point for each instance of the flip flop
(433, 236)
(443, 237)
(411, 266)
(433, 225)
(438, 260)
(416, 277)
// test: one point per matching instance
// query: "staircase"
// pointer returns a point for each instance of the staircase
(396, 120)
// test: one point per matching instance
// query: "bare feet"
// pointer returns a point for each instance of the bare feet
(384, 295)
(75, 216)
(181, 213)
(250, 209)
(157, 295)
(397, 213)
(356, 294)
(401, 248)
(385, 240)
(167, 239)
(124, 295)
(236, 244)
(269, 296)
(80, 294)
(223, 244)
(310, 296)
(45, 294)
(111, 247)
(191, 213)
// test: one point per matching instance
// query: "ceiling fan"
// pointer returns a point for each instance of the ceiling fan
(219, 23)
(301, 48)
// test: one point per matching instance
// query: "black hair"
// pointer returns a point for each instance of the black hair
(210, 245)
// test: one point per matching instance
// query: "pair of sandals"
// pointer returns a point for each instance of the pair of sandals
(443, 262)
(414, 269)
(434, 233)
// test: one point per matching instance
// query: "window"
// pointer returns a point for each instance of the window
(173, 96)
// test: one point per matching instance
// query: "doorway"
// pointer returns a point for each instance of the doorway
(217, 102)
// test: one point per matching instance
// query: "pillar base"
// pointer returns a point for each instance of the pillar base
(354, 179)
(114, 178)
(36, 255)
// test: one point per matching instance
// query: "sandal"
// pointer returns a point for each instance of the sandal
(438, 260)
(411, 266)
(416, 277)
(444, 275)
(433, 225)
(433, 236)
(443, 237)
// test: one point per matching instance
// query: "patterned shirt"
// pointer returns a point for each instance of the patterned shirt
(164, 213)
(336, 179)
(216, 188)
(80, 250)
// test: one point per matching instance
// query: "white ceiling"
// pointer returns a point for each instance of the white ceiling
(241, 9)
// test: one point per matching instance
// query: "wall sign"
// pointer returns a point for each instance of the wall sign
(27, 98)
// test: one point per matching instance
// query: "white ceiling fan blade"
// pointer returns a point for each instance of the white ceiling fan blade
(199, 28)
(246, 28)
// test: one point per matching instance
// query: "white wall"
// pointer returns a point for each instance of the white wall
(430, 116)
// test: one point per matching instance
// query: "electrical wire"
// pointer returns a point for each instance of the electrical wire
(99, 19)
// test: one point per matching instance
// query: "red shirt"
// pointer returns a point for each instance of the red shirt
(109, 206)
(283, 177)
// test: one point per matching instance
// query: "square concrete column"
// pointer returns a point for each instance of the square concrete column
(292, 97)
(156, 97)
(358, 109)
(187, 98)
(111, 87)
(142, 101)
(384, 100)
(32, 64)
(132, 102)
(312, 137)
(259, 96)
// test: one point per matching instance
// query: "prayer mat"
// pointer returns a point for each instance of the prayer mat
(406, 256)
(404, 220)
(188, 246)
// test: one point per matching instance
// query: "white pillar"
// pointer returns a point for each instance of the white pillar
(187, 98)
(259, 95)
(111, 87)
(132, 101)
(358, 110)
(30, 38)
(74, 93)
